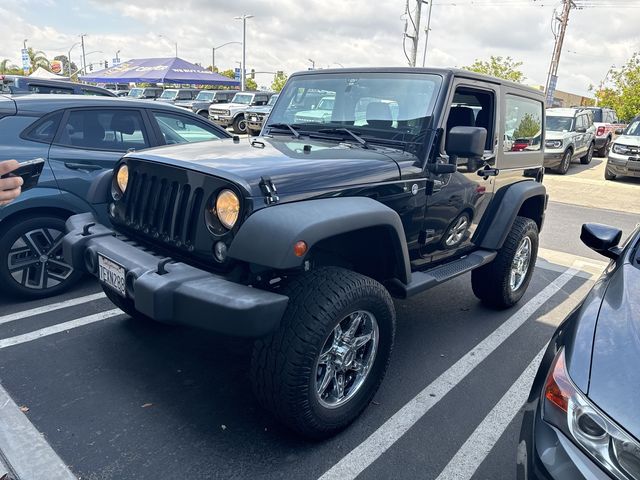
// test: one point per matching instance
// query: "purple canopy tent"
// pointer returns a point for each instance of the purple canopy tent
(159, 70)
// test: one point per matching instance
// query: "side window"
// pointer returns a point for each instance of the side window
(49, 89)
(522, 124)
(118, 130)
(473, 108)
(581, 122)
(44, 129)
(184, 95)
(178, 128)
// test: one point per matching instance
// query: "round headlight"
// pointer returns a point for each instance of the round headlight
(228, 208)
(122, 177)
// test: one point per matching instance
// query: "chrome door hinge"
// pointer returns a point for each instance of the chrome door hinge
(269, 190)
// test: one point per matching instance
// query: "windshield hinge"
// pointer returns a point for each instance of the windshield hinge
(269, 190)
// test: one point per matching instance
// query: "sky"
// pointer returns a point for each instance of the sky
(287, 34)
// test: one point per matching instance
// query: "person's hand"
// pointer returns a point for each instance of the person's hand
(9, 187)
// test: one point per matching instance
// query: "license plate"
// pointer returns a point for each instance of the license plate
(111, 274)
(254, 119)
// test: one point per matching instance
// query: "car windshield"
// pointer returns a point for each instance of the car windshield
(205, 96)
(559, 124)
(169, 94)
(272, 100)
(392, 107)
(634, 128)
(242, 98)
(136, 92)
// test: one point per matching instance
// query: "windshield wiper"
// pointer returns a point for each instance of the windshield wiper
(285, 125)
(357, 138)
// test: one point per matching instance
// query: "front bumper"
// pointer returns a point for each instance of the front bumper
(553, 158)
(182, 294)
(221, 120)
(622, 165)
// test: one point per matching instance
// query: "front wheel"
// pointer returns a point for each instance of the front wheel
(239, 124)
(324, 364)
(563, 168)
(608, 175)
(586, 160)
(502, 283)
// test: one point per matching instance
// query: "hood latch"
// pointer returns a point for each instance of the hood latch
(269, 190)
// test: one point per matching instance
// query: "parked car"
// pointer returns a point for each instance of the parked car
(233, 114)
(606, 122)
(204, 99)
(320, 113)
(172, 95)
(121, 93)
(79, 137)
(257, 115)
(17, 85)
(582, 418)
(150, 93)
(299, 239)
(624, 157)
(570, 133)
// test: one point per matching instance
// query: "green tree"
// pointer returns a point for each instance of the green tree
(6, 67)
(279, 79)
(250, 84)
(38, 59)
(501, 67)
(624, 96)
(228, 73)
(528, 127)
(65, 64)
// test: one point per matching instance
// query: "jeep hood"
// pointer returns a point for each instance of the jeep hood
(327, 166)
(629, 140)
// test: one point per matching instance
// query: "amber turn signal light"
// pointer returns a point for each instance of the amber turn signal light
(300, 248)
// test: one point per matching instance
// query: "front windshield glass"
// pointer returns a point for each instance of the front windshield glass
(242, 98)
(392, 107)
(169, 94)
(136, 92)
(633, 128)
(559, 124)
(272, 101)
(205, 96)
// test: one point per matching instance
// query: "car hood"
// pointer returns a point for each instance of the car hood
(259, 110)
(184, 103)
(554, 135)
(630, 140)
(228, 106)
(614, 384)
(327, 166)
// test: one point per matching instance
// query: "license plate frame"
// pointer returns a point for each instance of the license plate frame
(112, 274)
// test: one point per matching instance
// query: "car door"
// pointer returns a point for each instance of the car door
(91, 140)
(175, 128)
(459, 200)
(580, 136)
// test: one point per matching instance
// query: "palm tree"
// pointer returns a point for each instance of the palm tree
(6, 65)
(38, 59)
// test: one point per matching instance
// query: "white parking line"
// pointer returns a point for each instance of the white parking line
(61, 327)
(350, 466)
(12, 317)
(467, 460)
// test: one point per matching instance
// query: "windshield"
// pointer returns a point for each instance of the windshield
(205, 96)
(169, 94)
(393, 107)
(633, 129)
(272, 100)
(242, 98)
(136, 92)
(559, 124)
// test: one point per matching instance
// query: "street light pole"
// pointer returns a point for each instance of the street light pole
(426, 33)
(244, 49)
(169, 40)
(213, 53)
(313, 64)
(69, 57)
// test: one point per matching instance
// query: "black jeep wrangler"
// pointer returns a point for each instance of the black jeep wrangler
(301, 237)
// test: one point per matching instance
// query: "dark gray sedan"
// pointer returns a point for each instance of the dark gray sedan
(79, 137)
(582, 419)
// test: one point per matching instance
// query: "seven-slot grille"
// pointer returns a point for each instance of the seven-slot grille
(163, 209)
(217, 111)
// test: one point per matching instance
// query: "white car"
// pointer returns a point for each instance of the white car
(570, 133)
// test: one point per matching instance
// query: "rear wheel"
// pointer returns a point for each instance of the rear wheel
(31, 265)
(563, 168)
(586, 160)
(239, 124)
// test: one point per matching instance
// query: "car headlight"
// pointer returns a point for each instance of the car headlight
(228, 208)
(565, 407)
(619, 149)
(553, 143)
(227, 113)
(122, 177)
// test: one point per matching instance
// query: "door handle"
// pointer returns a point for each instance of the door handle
(82, 166)
(487, 172)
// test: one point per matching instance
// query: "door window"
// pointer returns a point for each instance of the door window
(473, 108)
(118, 130)
(35, 88)
(178, 128)
(580, 122)
(522, 124)
(184, 95)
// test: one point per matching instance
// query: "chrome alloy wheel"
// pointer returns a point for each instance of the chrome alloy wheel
(457, 231)
(520, 264)
(35, 259)
(346, 359)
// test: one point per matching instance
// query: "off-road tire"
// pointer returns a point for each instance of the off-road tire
(604, 150)
(283, 363)
(608, 175)
(490, 283)
(586, 159)
(12, 230)
(238, 122)
(565, 163)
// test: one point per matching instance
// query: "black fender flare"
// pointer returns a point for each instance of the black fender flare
(508, 203)
(267, 237)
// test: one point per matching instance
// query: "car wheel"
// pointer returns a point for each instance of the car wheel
(324, 364)
(586, 160)
(457, 231)
(32, 265)
(502, 283)
(563, 168)
(608, 175)
(604, 150)
(239, 124)
(204, 113)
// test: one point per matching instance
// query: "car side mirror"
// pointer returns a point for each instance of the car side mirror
(619, 131)
(581, 130)
(602, 239)
(466, 142)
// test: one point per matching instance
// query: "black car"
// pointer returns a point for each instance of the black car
(206, 98)
(17, 85)
(79, 137)
(148, 93)
(582, 418)
(255, 116)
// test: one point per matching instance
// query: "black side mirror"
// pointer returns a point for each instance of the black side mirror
(466, 142)
(581, 130)
(619, 131)
(602, 239)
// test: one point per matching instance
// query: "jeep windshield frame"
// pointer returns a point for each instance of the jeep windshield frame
(390, 108)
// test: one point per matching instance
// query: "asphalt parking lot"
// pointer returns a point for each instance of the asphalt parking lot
(119, 398)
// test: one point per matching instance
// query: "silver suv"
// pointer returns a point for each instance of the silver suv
(232, 114)
(570, 133)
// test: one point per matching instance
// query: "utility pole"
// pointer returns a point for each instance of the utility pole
(552, 77)
(426, 33)
(415, 38)
(84, 58)
(244, 50)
